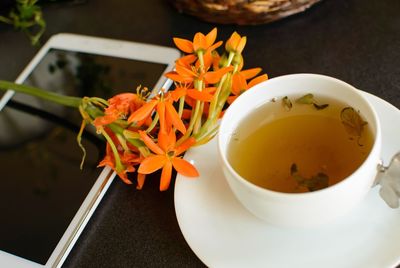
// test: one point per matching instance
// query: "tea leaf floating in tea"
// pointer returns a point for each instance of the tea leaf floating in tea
(320, 107)
(316, 182)
(287, 103)
(306, 99)
(352, 121)
(309, 99)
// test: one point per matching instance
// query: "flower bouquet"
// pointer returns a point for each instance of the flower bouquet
(147, 133)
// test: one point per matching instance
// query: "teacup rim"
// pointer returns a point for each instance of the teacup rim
(374, 150)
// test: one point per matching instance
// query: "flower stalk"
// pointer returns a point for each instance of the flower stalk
(68, 101)
(145, 135)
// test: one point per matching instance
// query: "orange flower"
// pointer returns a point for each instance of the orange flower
(186, 74)
(235, 43)
(120, 106)
(128, 160)
(239, 83)
(140, 180)
(200, 42)
(166, 157)
(204, 95)
(166, 112)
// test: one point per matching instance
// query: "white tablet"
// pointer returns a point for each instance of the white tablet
(45, 199)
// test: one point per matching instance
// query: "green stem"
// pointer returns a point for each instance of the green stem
(42, 94)
(197, 125)
(116, 129)
(94, 112)
(198, 84)
(214, 101)
(118, 164)
(207, 136)
(181, 106)
(5, 20)
(153, 123)
(193, 120)
(200, 55)
(219, 105)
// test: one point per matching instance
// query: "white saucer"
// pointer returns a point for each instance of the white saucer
(224, 234)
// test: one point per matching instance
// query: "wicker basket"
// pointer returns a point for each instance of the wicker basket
(242, 12)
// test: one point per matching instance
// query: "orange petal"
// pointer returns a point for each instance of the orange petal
(150, 143)
(241, 64)
(184, 45)
(199, 42)
(176, 77)
(163, 140)
(184, 71)
(107, 162)
(232, 99)
(257, 80)
(167, 141)
(142, 112)
(211, 36)
(199, 95)
(232, 42)
(140, 180)
(187, 113)
(215, 46)
(239, 84)
(250, 73)
(206, 109)
(214, 77)
(187, 60)
(122, 97)
(161, 115)
(105, 120)
(166, 176)
(176, 120)
(184, 167)
(210, 90)
(178, 92)
(130, 158)
(191, 102)
(208, 60)
(124, 177)
(152, 163)
(241, 45)
(184, 146)
(108, 159)
(216, 60)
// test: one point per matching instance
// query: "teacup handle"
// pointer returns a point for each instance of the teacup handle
(389, 179)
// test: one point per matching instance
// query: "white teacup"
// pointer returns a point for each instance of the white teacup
(300, 209)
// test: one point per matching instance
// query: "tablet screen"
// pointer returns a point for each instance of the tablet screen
(42, 186)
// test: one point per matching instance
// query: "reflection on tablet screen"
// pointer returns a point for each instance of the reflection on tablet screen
(42, 186)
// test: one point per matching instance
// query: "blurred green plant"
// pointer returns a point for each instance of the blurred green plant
(27, 17)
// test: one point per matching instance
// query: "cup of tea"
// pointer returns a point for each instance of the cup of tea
(300, 150)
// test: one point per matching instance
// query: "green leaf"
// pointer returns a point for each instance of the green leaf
(293, 169)
(287, 104)
(320, 107)
(27, 17)
(352, 121)
(306, 99)
(309, 99)
(136, 142)
(317, 182)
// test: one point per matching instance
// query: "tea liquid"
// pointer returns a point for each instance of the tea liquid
(266, 147)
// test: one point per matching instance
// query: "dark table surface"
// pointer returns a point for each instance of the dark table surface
(357, 41)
